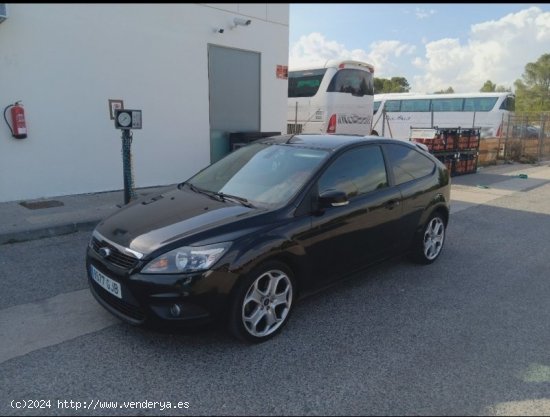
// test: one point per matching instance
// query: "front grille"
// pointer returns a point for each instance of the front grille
(294, 129)
(116, 257)
(127, 309)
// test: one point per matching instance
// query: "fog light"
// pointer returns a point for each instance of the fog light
(175, 310)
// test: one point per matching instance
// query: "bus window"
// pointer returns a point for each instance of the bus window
(479, 103)
(392, 105)
(415, 105)
(449, 110)
(356, 82)
(447, 104)
(305, 83)
(376, 106)
(508, 104)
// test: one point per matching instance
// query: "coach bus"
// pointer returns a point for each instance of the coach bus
(395, 114)
(337, 98)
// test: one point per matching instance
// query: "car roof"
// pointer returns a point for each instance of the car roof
(325, 141)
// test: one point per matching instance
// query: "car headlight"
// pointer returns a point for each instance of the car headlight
(187, 259)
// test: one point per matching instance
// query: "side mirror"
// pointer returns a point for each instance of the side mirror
(333, 198)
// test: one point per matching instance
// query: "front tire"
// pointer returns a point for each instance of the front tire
(427, 245)
(262, 303)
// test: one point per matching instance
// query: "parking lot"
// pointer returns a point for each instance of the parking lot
(468, 334)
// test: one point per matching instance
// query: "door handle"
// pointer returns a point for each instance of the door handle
(390, 205)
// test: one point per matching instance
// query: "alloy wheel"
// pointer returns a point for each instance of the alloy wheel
(433, 238)
(267, 303)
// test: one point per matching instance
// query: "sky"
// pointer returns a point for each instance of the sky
(434, 46)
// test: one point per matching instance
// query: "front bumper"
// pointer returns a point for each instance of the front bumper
(200, 297)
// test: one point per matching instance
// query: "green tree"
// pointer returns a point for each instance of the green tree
(392, 85)
(449, 90)
(400, 85)
(488, 87)
(502, 89)
(378, 85)
(533, 90)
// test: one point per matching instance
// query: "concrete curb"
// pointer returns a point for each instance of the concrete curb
(50, 231)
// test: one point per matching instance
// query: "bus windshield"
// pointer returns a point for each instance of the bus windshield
(305, 83)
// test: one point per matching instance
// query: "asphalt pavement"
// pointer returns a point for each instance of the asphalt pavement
(467, 335)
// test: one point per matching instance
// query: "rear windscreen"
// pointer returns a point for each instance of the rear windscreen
(305, 83)
(353, 81)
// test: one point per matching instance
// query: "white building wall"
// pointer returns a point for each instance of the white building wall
(64, 61)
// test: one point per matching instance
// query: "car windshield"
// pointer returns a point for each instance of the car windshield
(261, 173)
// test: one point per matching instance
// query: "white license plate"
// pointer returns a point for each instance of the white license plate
(112, 286)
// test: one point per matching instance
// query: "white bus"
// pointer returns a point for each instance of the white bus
(396, 113)
(335, 99)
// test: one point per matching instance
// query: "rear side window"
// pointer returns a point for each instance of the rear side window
(376, 106)
(408, 164)
(356, 172)
(305, 83)
(353, 81)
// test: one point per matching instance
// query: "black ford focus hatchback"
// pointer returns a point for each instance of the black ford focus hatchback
(241, 240)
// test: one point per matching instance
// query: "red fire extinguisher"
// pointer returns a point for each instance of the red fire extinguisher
(18, 127)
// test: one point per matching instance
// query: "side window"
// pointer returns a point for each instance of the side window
(356, 82)
(392, 105)
(407, 163)
(447, 104)
(479, 103)
(508, 104)
(415, 105)
(305, 83)
(356, 172)
(376, 106)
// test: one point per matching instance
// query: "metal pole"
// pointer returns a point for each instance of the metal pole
(499, 130)
(296, 119)
(506, 145)
(544, 137)
(524, 134)
(541, 136)
(127, 166)
(389, 129)
(383, 121)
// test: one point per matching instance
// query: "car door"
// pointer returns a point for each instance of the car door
(346, 238)
(416, 177)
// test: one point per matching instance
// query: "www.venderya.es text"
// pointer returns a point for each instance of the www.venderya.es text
(99, 405)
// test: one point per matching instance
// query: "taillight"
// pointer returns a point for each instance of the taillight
(332, 124)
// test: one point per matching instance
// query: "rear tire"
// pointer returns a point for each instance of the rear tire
(428, 244)
(262, 303)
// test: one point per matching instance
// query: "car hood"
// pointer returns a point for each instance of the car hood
(160, 219)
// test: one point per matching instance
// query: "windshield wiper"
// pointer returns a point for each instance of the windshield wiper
(238, 199)
(219, 196)
(210, 194)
